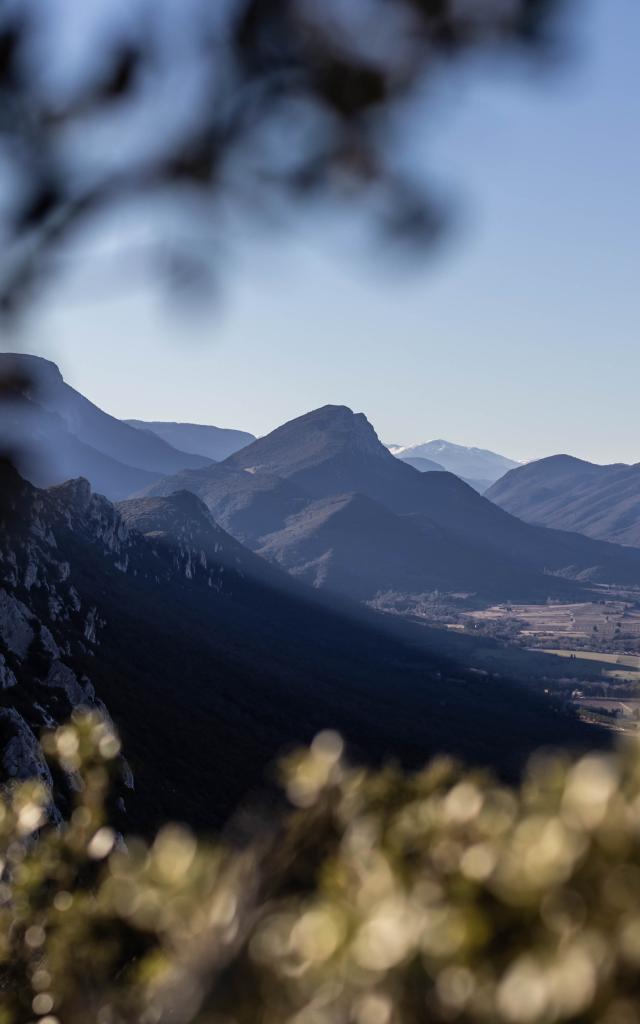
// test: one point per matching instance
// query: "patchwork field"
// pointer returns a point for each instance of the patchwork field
(600, 635)
(597, 627)
(593, 647)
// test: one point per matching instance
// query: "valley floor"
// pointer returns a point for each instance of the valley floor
(593, 646)
(609, 623)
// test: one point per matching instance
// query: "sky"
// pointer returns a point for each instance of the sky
(519, 335)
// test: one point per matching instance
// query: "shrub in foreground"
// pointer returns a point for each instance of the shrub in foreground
(379, 898)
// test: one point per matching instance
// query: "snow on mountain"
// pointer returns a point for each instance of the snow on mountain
(466, 462)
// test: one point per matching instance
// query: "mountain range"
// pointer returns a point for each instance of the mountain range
(323, 498)
(222, 611)
(570, 494)
(215, 443)
(54, 433)
(319, 496)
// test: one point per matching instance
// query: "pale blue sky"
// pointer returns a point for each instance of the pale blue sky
(520, 335)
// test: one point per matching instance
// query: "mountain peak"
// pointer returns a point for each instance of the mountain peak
(309, 440)
(562, 459)
(76, 493)
(31, 371)
(334, 418)
(553, 468)
(342, 423)
(180, 506)
(167, 514)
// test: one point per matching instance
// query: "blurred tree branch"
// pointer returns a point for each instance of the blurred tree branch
(372, 897)
(245, 103)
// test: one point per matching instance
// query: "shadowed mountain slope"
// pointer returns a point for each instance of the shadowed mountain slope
(356, 546)
(248, 505)
(183, 522)
(427, 466)
(569, 494)
(208, 673)
(330, 543)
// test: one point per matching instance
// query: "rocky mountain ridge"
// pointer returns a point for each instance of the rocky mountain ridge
(49, 630)
(46, 624)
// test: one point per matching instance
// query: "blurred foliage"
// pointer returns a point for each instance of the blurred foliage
(223, 105)
(379, 898)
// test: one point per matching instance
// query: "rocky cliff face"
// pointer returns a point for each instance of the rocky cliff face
(48, 629)
(181, 529)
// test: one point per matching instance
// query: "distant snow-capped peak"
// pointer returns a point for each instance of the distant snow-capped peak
(464, 461)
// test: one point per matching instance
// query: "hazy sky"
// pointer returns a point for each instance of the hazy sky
(520, 335)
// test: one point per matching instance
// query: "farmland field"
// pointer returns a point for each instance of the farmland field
(588, 628)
